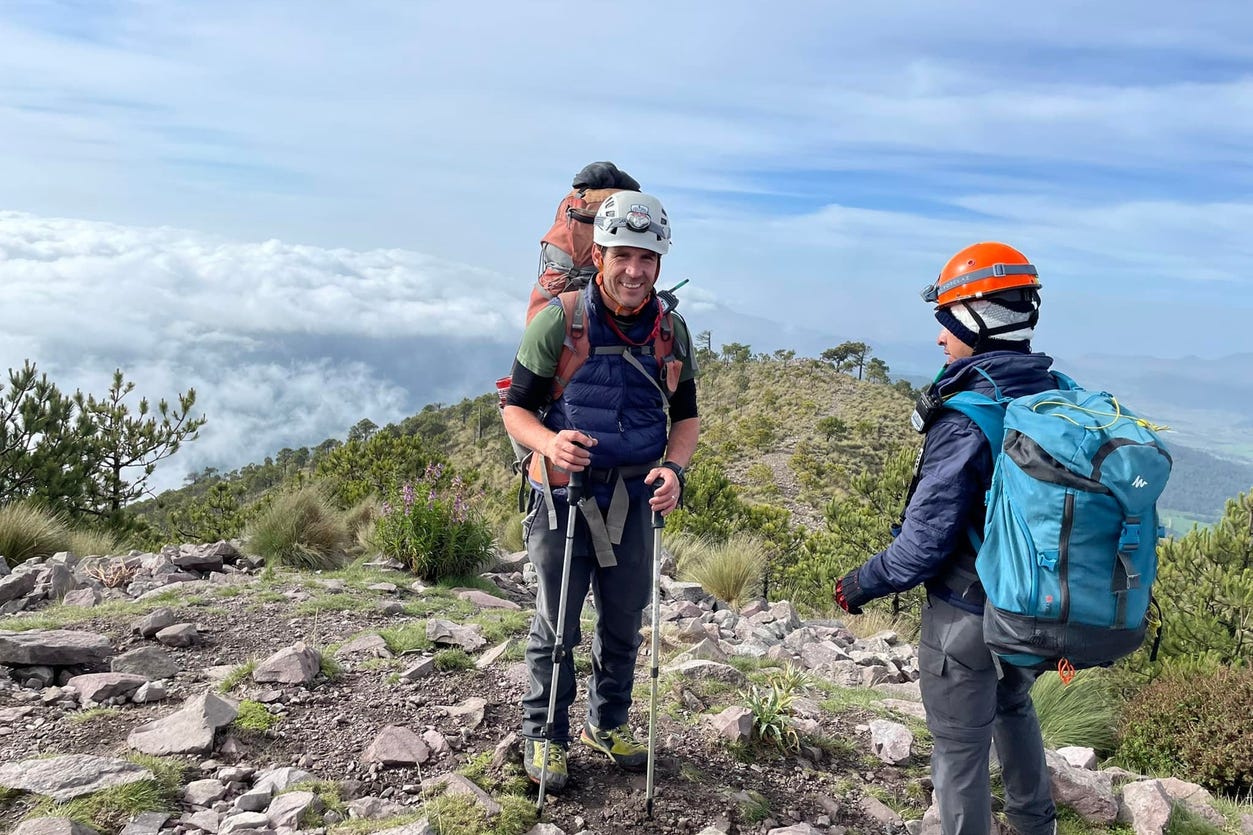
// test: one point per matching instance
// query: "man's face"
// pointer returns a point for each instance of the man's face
(954, 348)
(629, 273)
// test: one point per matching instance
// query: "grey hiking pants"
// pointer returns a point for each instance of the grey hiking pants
(620, 594)
(968, 708)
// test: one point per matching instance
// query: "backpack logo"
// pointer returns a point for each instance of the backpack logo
(1139, 482)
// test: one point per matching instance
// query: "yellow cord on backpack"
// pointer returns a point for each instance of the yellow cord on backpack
(1114, 417)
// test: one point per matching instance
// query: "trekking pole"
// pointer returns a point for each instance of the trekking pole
(659, 522)
(574, 492)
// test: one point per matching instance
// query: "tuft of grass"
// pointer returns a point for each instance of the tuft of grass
(255, 717)
(1081, 713)
(730, 570)
(30, 531)
(449, 660)
(468, 581)
(59, 615)
(509, 536)
(109, 810)
(874, 621)
(362, 826)
(409, 638)
(88, 542)
(754, 807)
(499, 624)
(82, 717)
(337, 602)
(236, 676)
(328, 791)
(331, 668)
(512, 779)
(300, 529)
(1185, 822)
(454, 813)
(772, 712)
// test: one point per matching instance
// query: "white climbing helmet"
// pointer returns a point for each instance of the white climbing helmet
(632, 218)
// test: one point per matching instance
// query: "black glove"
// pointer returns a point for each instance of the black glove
(605, 175)
(848, 593)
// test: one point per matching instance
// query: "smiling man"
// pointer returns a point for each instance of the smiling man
(604, 384)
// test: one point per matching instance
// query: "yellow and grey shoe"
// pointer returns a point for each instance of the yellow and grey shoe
(533, 761)
(619, 744)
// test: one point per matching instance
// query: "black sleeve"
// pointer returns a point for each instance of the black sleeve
(682, 405)
(528, 390)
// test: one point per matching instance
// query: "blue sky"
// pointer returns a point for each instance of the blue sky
(819, 160)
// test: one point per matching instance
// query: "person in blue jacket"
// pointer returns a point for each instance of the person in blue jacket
(988, 304)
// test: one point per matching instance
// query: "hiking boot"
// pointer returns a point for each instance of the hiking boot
(619, 744)
(533, 761)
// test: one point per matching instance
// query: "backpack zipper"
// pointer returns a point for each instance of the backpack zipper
(1063, 552)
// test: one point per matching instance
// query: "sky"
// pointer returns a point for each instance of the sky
(314, 213)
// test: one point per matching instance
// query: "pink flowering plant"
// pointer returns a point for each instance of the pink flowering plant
(430, 525)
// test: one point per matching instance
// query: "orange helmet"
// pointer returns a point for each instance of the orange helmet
(981, 270)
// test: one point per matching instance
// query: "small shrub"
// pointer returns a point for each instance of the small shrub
(730, 571)
(87, 542)
(1196, 726)
(300, 529)
(255, 717)
(29, 531)
(448, 660)
(772, 711)
(1083, 713)
(432, 528)
(236, 676)
(360, 520)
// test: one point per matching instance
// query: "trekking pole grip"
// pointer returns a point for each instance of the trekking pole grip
(659, 521)
(577, 480)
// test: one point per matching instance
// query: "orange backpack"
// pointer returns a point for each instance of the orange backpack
(565, 252)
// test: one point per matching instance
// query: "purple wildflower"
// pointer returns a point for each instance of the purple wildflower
(387, 508)
(406, 494)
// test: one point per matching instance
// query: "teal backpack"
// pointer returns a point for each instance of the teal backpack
(1068, 552)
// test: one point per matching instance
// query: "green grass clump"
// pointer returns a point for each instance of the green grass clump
(754, 807)
(109, 810)
(362, 826)
(59, 616)
(330, 668)
(236, 676)
(1082, 713)
(771, 707)
(499, 624)
(454, 814)
(730, 570)
(88, 542)
(29, 531)
(409, 638)
(335, 602)
(450, 660)
(254, 717)
(300, 529)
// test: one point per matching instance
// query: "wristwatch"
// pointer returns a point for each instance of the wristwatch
(677, 470)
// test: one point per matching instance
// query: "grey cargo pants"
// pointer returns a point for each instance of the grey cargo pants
(620, 594)
(968, 708)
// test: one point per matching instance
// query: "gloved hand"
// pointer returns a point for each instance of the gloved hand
(848, 593)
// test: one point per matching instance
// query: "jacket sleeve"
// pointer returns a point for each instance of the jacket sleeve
(956, 472)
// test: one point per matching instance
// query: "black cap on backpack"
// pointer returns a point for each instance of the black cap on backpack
(605, 175)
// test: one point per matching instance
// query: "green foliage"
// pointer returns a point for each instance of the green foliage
(30, 531)
(411, 637)
(450, 660)
(771, 706)
(82, 717)
(1197, 726)
(433, 529)
(217, 514)
(857, 527)
(110, 809)
(254, 717)
(1205, 585)
(731, 571)
(236, 676)
(1083, 713)
(372, 466)
(300, 529)
(93, 542)
(754, 807)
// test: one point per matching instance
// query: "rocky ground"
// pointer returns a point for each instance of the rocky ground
(377, 686)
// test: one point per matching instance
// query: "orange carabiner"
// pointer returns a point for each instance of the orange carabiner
(1065, 671)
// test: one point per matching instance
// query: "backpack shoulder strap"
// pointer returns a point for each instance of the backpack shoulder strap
(576, 346)
(987, 413)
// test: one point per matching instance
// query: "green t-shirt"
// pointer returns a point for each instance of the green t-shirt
(541, 343)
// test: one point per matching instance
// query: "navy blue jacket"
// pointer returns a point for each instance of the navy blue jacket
(955, 477)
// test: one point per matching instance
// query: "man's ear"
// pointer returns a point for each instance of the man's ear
(598, 257)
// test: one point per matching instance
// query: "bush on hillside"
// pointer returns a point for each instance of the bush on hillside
(91, 542)
(30, 531)
(301, 529)
(1082, 713)
(1197, 726)
(731, 571)
(432, 528)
